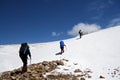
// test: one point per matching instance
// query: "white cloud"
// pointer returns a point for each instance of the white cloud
(86, 28)
(114, 22)
(56, 34)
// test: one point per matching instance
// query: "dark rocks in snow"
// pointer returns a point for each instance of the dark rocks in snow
(39, 71)
(60, 62)
(101, 77)
(77, 70)
(115, 73)
(65, 60)
(34, 71)
(62, 77)
(5, 75)
(82, 78)
(75, 63)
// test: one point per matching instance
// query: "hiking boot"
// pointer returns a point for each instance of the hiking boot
(62, 51)
(24, 69)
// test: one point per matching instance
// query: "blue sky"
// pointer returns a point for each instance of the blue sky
(36, 21)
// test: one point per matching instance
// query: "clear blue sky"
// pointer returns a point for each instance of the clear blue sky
(34, 21)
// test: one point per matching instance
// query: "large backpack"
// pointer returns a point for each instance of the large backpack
(23, 49)
(62, 43)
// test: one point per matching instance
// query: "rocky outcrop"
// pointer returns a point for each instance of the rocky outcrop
(34, 71)
(43, 71)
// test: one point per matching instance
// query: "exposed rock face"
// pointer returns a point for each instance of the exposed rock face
(34, 71)
(44, 71)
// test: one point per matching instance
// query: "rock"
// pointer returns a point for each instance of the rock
(47, 68)
(77, 70)
(13, 77)
(102, 77)
(89, 76)
(65, 60)
(45, 63)
(75, 63)
(59, 62)
(82, 78)
(6, 75)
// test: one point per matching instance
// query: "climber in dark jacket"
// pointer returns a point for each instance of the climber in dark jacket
(80, 33)
(23, 53)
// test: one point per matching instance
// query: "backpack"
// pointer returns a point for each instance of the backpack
(23, 48)
(62, 43)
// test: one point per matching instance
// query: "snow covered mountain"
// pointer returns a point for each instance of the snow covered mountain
(98, 51)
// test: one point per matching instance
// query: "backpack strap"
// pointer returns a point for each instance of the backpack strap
(25, 49)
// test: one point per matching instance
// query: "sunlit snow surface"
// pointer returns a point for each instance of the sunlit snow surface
(98, 51)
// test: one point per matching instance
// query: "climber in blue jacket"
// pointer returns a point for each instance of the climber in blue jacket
(62, 46)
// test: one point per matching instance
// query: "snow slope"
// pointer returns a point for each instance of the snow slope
(98, 51)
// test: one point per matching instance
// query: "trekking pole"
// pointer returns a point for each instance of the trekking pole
(30, 61)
